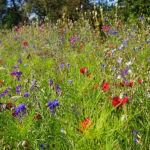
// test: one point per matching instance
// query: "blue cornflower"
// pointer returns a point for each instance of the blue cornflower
(68, 65)
(42, 146)
(62, 66)
(55, 102)
(70, 81)
(148, 41)
(26, 94)
(132, 36)
(133, 27)
(18, 75)
(73, 46)
(105, 19)
(142, 18)
(21, 107)
(115, 32)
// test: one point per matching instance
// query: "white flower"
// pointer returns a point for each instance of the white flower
(124, 117)
(119, 77)
(128, 63)
(130, 71)
(148, 95)
(2, 68)
(63, 131)
(16, 97)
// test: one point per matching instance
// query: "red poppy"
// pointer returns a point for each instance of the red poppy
(49, 55)
(122, 84)
(0, 62)
(39, 53)
(83, 125)
(111, 46)
(105, 86)
(62, 31)
(0, 108)
(140, 81)
(17, 29)
(82, 70)
(119, 102)
(82, 46)
(25, 44)
(61, 80)
(109, 54)
(9, 105)
(129, 84)
(38, 117)
(16, 39)
(0, 82)
(95, 87)
(89, 75)
(46, 53)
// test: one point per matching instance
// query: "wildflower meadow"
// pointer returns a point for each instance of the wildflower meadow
(68, 86)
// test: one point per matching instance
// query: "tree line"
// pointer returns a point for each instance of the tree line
(14, 12)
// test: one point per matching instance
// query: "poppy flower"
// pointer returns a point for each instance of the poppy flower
(38, 117)
(61, 80)
(25, 44)
(9, 105)
(140, 81)
(0, 62)
(89, 75)
(111, 46)
(62, 31)
(109, 54)
(83, 125)
(105, 86)
(82, 46)
(119, 102)
(16, 39)
(82, 70)
(130, 84)
(0, 82)
(122, 84)
(95, 87)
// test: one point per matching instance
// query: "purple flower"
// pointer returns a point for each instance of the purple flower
(21, 107)
(18, 88)
(68, 65)
(62, 65)
(123, 73)
(57, 89)
(125, 41)
(105, 19)
(121, 47)
(136, 141)
(115, 32)
(55, 103)
(148, 41)
(50, 82)
(133, 27)
(13, 73)
(15, 67)
(132, 36)
(70, 81)
(142, 18)
(26, 94)
(135, 132)
(119, 60)
(19, 61)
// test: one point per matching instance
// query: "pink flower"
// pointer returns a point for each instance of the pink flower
(106, 28)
